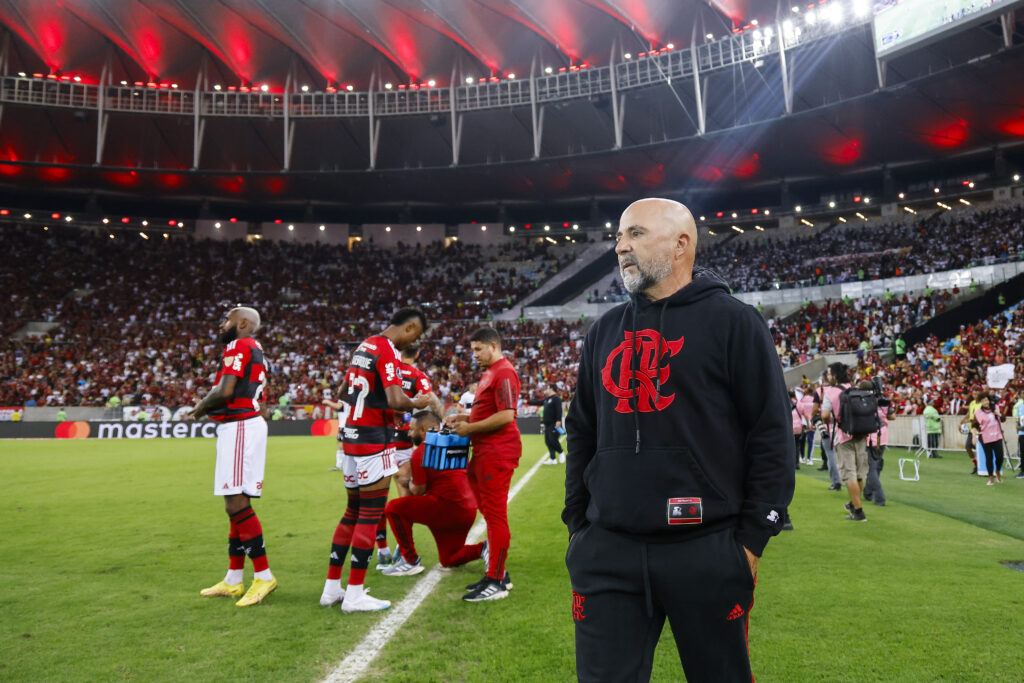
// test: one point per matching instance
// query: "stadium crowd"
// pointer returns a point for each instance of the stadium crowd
(848, 253)
(136, 318)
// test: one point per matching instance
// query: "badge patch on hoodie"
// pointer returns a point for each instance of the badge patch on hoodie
(685, 511)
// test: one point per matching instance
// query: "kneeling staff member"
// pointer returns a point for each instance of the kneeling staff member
(680, 462)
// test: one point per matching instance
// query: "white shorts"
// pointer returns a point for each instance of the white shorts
(402, 456)
(241, 457)
(363, 470)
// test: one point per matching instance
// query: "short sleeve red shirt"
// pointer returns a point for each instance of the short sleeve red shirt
(497, 390)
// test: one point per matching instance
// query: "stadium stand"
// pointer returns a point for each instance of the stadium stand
(135, 317)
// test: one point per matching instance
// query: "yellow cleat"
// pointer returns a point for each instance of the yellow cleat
(257, 591)
(227, 590)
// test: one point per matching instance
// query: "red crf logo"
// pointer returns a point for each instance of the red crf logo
(349, 479)
(363, 473)
(577, 606)
(627, 378)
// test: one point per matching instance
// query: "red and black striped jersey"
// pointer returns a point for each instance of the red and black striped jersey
(243, 358)
(414, 381)
(374, 367)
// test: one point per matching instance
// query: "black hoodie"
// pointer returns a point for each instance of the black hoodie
(681, 424)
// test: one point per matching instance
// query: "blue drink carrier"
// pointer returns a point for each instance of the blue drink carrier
(445, 451)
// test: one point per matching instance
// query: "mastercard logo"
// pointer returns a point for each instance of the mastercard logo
(72, 430)
(324, 428)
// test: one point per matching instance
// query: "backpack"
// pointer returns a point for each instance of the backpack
(858, 412)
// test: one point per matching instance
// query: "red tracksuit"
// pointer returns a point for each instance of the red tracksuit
(447, 509)
(495, 456)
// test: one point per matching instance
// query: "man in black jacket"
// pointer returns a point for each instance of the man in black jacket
(552, 421)
(680, 462)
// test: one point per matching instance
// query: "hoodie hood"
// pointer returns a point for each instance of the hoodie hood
(704, 283)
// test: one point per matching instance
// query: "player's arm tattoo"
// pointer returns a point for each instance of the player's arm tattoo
(217, 398)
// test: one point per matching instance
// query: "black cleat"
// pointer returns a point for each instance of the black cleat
(492, 589)
(506, 582)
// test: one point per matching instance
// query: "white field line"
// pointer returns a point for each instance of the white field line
(355, 665)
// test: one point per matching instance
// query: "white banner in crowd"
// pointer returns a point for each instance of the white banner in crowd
(1000, 375)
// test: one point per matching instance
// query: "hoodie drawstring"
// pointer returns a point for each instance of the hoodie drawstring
(633, 382)
(657, 353)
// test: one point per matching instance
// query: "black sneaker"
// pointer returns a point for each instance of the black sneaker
(848, 507)
(506, 582)
(835, 487)
(936, 456)
(788, 526)
(974, 471)
(492, 589)
(823, 468)
(857, 516)
(1020, 475)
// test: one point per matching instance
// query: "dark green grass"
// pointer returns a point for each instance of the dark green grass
(106, 544)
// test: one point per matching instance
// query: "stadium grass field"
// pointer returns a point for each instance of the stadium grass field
(107, 543)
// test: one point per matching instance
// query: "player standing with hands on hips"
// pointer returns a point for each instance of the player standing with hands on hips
(234, 402)
(680, 462)
(497, 447)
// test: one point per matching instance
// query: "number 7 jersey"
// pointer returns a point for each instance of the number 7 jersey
(374, 367)
(243, 358)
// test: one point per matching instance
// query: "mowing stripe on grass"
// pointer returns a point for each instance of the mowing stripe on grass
(355, 665)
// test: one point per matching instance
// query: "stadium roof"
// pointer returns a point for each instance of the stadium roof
(345, 41)
(953, 103)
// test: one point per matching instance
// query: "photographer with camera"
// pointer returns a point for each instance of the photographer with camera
(876, 447)
(833, 384)
(855, 416)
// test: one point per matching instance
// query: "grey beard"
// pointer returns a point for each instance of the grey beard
(645, 278)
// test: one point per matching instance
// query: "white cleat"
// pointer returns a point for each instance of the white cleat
(359, 600)
(333, 593)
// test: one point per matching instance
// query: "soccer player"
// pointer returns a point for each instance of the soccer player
(413, 381)
(234, 402)
(341, 410)
(442, 500)
(497, 447)
(373, 388)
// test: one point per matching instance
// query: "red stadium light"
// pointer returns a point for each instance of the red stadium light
(277, 221)
(124, 220)
(55, 216)
(527, 226)
(138, 84)
(754, 211)
(856, 200)
(565, 225)
(51, 76)
(719, 214)
(4, 212)
(232, 220)
(232, 88)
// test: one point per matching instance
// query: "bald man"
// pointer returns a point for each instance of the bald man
(234, 402)
(681, 427)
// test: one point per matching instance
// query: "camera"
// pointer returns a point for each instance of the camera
(876, 383)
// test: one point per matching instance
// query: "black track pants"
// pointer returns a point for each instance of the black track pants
(551, 442)
(623, 589)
